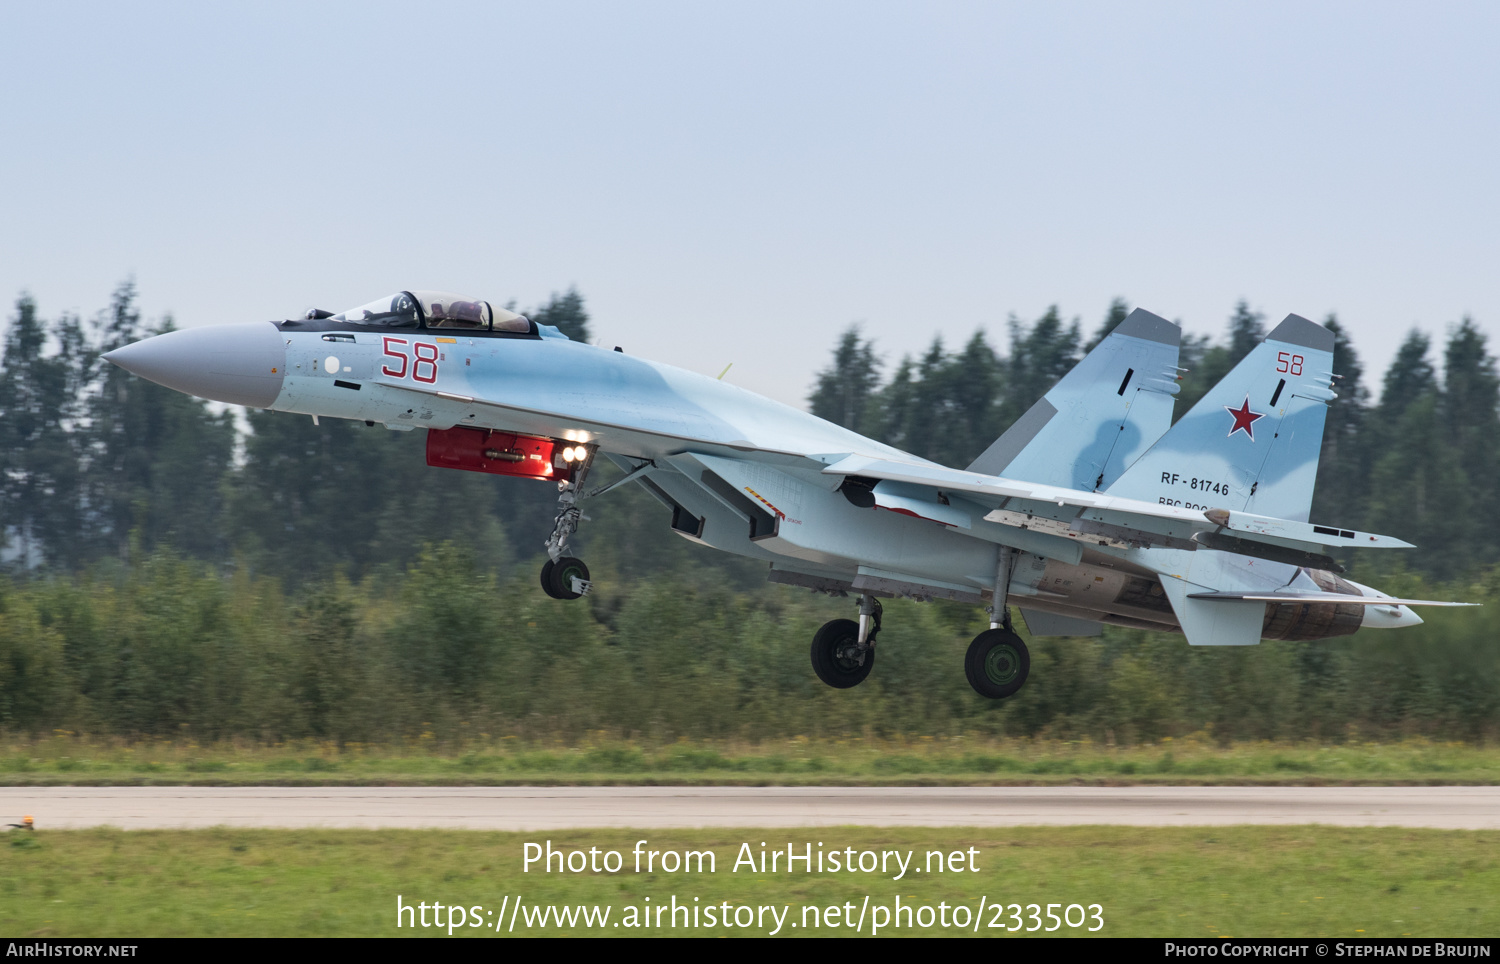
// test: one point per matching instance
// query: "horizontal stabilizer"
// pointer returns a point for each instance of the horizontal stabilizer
(1094, 517)
(1321, 597)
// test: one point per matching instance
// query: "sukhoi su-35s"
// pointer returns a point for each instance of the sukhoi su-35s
(1092, 508)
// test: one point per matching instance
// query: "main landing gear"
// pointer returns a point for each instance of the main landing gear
(998, 663)
(843, 651)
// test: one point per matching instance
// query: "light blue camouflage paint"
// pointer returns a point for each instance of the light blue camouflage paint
(1251, 443)
(1098, 419)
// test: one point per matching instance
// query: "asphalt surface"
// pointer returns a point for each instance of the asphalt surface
(558, 808)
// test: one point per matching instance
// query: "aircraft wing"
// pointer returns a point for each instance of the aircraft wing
(1091, 517)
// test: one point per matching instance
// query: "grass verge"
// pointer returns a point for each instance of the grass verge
(68, 760)
(1162, 882)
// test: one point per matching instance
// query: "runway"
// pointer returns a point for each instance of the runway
(559, 808)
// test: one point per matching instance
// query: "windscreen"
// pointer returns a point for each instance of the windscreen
(393, 311)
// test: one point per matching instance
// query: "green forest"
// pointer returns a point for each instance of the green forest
(173, 572)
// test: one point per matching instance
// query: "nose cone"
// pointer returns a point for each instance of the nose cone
(243, 364)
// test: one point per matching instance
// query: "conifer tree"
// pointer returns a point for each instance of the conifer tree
(972, 383)
(1410, 378)
(1246, 330)
(1206, 364)
(891, 406)
(926, 418)
(1118, 310)
(1039, 356)
(1192, 359)
(307, 499)
(1471, 413)
(39, 500)
(565, 312)
(340, 496)
(156, 457)
(1418, 491)
(1344, 466)
(844, 388)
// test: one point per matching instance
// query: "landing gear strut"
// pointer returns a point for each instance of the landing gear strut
(564, 577)
(998, 662)
(843, 651)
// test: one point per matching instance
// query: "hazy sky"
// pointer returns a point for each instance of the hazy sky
(738, 183)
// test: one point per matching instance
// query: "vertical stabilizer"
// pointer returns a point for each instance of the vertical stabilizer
(1252, 443)
(1101, 416)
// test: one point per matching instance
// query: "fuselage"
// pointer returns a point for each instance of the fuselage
(740, 472)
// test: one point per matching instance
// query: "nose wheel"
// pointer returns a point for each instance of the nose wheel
(566, 578)
(997, 663)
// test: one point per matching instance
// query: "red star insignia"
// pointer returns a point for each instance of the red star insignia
(1244, 419)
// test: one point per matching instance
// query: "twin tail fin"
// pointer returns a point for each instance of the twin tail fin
(1100, 416)
(1251, 443)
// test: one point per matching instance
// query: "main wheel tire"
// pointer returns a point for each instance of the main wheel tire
(997, 664)
(560, 579)
(835, 654)
(547, 568)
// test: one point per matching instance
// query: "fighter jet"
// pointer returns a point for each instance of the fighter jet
(1092, 509)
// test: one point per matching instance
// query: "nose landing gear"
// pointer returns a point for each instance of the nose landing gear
(564, 577)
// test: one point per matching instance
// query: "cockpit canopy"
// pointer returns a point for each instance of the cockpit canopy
(434, 309)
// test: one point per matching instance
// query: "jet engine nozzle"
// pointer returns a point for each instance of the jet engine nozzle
(242, 364)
